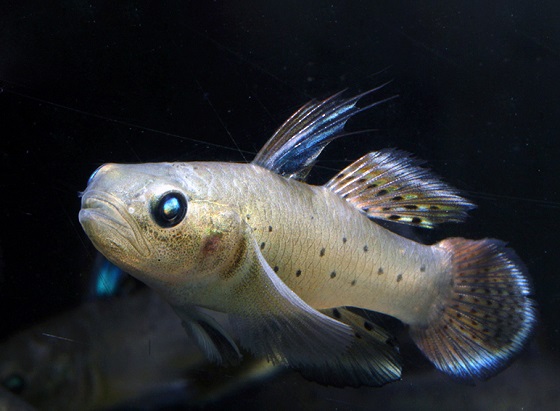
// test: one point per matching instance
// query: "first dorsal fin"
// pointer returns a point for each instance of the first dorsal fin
(390, 185)
(294, 147)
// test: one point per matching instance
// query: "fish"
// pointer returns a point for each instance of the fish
(288, 261)
(115, 352)
(89, 357)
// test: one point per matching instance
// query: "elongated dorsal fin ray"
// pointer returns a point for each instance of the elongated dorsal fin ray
(294, 147)
(390, 185)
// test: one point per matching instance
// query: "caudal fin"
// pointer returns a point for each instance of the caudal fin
(487, 317)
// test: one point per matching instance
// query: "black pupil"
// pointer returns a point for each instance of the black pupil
(170, 209)
(14, 383)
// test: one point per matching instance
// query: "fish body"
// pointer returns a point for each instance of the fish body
(320, 247)
(283, 258)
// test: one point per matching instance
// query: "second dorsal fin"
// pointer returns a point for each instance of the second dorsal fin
(390, 185)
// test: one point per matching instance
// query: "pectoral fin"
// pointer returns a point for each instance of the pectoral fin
(210, 336)
(273, 322)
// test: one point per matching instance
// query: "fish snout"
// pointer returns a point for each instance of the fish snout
(107, 222)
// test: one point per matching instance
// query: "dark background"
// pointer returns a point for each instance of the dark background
(84, 83)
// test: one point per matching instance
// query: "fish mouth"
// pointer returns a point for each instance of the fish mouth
(106, 222)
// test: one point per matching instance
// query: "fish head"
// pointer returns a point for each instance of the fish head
(156, 222)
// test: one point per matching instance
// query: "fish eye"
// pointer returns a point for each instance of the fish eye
(169, 209)
(14, 383)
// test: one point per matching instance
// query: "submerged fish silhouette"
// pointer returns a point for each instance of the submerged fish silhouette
(283, 258)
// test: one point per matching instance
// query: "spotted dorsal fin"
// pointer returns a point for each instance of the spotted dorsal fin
(390, 185)
(294, 147)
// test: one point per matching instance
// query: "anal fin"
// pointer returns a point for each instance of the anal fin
(372, 359)
(390, 185)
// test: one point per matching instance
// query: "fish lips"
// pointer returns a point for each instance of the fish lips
(108, 225)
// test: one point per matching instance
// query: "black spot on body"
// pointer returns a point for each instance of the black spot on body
(394, 217)
(416, 220)
(322, 252)
(353, 282)
(269, 228)
(422, 268)
(380, 271)
(366, 248)
(399, 278)
(411, 207)
(361, 180)
(397, 198)
(275, 268)
(341, 175)
(262, 246)
(298, 273)
(333, 274)
(336, 313)
(381, 192)
(248, 216)
(344, 239)
(368, 326)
